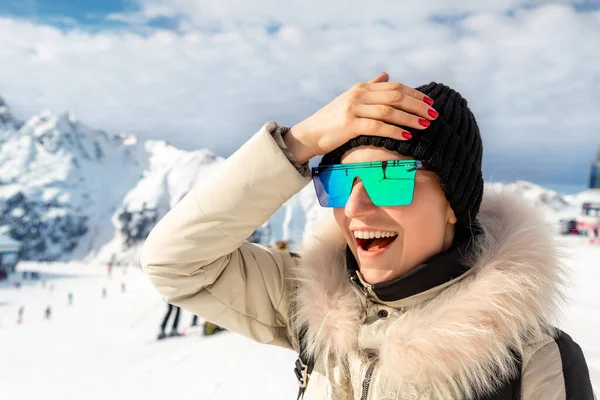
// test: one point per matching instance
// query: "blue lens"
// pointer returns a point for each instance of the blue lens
(333, 187)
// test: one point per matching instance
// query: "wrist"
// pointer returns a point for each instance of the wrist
(299, 150)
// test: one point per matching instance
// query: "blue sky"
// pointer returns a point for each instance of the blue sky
(66, 14)
(83, 11)
(205, 73)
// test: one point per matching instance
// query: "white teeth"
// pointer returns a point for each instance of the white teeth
(373, 235)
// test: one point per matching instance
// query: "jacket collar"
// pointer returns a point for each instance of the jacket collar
(439, 271)
(454, 339)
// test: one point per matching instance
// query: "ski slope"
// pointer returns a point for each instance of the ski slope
(105, 348)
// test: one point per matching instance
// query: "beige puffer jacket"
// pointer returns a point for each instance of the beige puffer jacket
(449, 342)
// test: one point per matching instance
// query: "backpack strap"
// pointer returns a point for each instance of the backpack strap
(304, 363)
(516, 381)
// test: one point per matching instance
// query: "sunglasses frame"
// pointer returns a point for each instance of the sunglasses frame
(316, 171)
(420, 165)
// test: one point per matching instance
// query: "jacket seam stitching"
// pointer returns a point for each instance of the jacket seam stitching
(230, 307)
(283, 289)
(210, 222)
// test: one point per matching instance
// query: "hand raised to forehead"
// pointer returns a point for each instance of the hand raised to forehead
(376, 108)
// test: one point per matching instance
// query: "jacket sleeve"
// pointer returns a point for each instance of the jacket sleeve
(557, 371)
(197, 256)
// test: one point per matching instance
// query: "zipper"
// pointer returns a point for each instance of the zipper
(354, 280)
(357, 285)
(366, 289)
(367, 381)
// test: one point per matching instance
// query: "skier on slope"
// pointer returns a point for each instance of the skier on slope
(165, 322)
(419, 287)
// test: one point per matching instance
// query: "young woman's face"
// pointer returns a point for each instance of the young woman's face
(424, 228)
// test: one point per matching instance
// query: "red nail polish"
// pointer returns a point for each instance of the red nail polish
(406, 135)
(432, 113)
(428, 100)
(424, 122)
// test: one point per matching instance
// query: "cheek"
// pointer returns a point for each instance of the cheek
(342, 221)
(430, 202)
(406, 217)
(340, 218)
(422, 227)
(424, 217)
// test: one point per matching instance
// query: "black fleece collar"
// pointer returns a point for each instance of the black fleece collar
(439, 269)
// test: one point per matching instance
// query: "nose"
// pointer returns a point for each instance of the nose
(359, 203)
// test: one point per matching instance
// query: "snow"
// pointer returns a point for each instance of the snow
(8, 244)
(552, 204)
(105, 349)
(590, 195)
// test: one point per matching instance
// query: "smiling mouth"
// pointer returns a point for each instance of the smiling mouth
(375, 243)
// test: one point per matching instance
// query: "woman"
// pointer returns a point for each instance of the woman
(412, 292)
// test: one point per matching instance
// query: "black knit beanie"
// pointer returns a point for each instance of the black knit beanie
(451, 144)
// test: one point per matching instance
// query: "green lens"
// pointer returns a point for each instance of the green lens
(392, 184)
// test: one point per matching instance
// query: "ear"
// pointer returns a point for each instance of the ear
(451, 218)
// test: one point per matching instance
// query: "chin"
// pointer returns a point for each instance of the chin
(381, 268)
(376, 275)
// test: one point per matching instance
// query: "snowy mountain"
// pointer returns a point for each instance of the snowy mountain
(553, 204)
(71, 192)
(68, 191)
(7, 120)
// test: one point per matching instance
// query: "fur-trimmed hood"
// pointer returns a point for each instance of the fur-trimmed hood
(457, 342)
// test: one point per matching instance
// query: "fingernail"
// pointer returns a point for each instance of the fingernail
(432, 113)
(428, 100)
(424, 122)
(406, 135)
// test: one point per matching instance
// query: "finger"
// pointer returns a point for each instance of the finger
(373, 127)
(382, 77)
(400, 101)
(399, 87)
(390, 115)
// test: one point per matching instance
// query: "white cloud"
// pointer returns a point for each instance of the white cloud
(201, 13)
(531, 77)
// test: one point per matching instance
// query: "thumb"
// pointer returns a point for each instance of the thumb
(382, 77)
